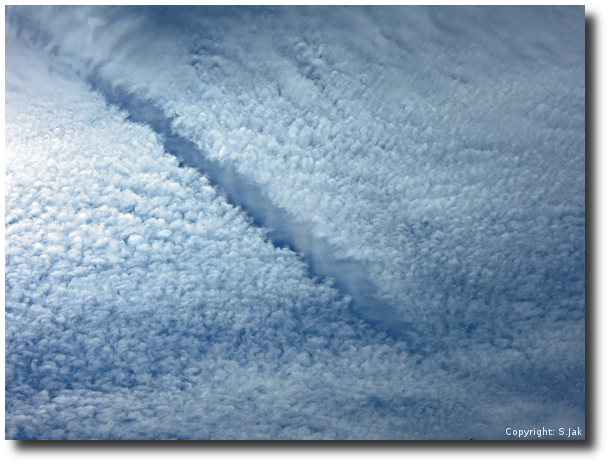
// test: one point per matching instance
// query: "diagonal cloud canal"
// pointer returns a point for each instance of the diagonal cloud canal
(349, 276)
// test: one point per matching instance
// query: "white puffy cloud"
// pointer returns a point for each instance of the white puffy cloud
(441, 152)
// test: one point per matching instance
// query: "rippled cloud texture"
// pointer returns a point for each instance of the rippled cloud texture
(406, 260)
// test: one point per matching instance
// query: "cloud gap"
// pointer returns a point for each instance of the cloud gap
(348, 276)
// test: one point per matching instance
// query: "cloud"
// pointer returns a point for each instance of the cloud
(428, 156)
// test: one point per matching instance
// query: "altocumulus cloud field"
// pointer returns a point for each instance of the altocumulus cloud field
(294, 223)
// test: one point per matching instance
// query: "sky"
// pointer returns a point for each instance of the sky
(294, 223)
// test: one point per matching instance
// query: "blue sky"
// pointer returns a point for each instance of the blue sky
(284, 223)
